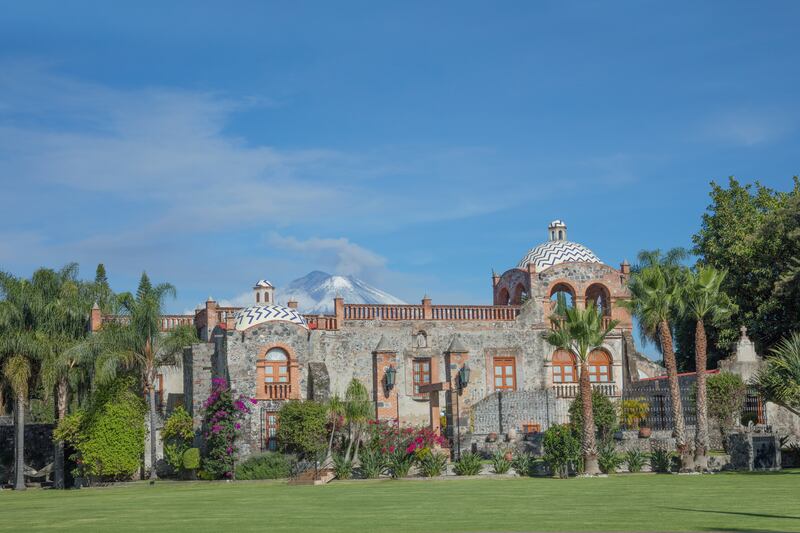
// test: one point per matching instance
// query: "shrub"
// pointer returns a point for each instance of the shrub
(433, 464)
(177, 435)
(372, 463)
(191, 459)
(109, 436)
(523, 464)
(342, 467)
(634, 413)
(635, 459)
(399, 463)
(500, 464)
(302, 427)
(222, 420)
(661, 459)
(605, 414)
(607, 457)
(268, 465)
(562, 448)
(726, 394)
(470, 464)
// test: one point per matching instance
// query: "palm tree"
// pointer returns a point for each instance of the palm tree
(21, 348)
(655, 287)
(779, 380)
(580, 331)
(137, 344)
(64, 303)
(335, 410)
(357, 409)
(703, 299)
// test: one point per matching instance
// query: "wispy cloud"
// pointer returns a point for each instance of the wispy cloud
(747, 127)
(340, 256)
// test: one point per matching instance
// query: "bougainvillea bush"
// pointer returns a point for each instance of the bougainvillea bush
(222, 424)
(388, 437)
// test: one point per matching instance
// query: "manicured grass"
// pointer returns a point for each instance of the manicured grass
(646, 502)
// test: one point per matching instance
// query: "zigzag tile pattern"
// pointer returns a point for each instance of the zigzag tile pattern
(258, 314)
(555, 252)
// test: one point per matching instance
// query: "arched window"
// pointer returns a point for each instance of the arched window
(503, 297)
(276, 366)
(564, 368)
(599, 366)
(520, 295)
(258, 297)
(563, 289)
(266, 297)
(598, 295)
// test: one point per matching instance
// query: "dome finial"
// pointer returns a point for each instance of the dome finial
(557, 231)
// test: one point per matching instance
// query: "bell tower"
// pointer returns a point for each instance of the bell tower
(264, 292)
(557, 231)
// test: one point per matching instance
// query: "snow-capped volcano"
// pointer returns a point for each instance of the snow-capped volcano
(314, 292)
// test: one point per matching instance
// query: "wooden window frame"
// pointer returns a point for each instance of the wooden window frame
(561, 369)
(419, 376)
(503, 363)
(600, 373)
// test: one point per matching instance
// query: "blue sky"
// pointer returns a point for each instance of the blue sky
(416, 146)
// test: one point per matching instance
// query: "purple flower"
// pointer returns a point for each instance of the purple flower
(237, 425)
(253, 401)
(216, 428)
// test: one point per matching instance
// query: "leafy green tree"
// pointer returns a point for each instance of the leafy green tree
(136, 344)
(703, 300)
(301, 427)
(603, 410)
(779, 379)
(562, 448)
(753, 232)
(580, 331)
(177, 435)
(335, 407)
(357, 410)
(655, 287)
(726, 395)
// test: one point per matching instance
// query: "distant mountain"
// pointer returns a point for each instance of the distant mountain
(314, 292)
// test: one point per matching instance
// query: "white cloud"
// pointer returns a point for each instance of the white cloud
(340, 255)
(747, 127)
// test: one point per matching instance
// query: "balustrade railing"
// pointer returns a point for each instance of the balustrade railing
(474, 312)
(277, 391)
(382, 312)
(571, 390)
(435, 312)
(325, 322)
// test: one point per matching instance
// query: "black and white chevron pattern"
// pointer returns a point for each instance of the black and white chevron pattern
(555, 252)
(258, 314)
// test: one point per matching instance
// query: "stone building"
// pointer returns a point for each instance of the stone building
(408, 356)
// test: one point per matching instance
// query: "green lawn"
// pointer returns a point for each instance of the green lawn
(732, 502)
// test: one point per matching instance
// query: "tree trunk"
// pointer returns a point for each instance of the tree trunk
(679, 429)
(356, 460)
(58, 459)
(329, 456)
(349, 442)
(701, 433)
(19, 455)
(588, 444)
(151, 395)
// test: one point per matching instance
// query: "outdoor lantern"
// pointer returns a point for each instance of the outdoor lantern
(463, 376)
(391, 372)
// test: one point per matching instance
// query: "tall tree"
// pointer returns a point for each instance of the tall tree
(779, 379)
(335, 408)
(580, 331)
(655, 287)
(703, 300)
(137, 344)
(101, 291)
(357, 409)
(753, 232)
(22, 346)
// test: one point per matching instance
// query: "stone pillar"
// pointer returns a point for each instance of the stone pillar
(95, 318)
(386, 400)
(457, 407)
(338, 306)
(427, 312)
(211, 316)
(436, 423)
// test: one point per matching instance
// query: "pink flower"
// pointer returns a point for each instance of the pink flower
(253, 401)
(237, 425)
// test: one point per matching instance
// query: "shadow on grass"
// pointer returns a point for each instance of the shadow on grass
(737, 513)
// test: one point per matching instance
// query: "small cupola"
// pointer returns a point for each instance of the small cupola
(264, 292)
(557, 231)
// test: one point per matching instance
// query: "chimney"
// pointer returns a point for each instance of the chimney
(291, 304)
(95, 318)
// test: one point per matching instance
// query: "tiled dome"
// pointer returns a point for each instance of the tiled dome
(552, 253)
(259, 314)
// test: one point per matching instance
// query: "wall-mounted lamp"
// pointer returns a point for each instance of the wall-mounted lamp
(463, 376)
(389, 377)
